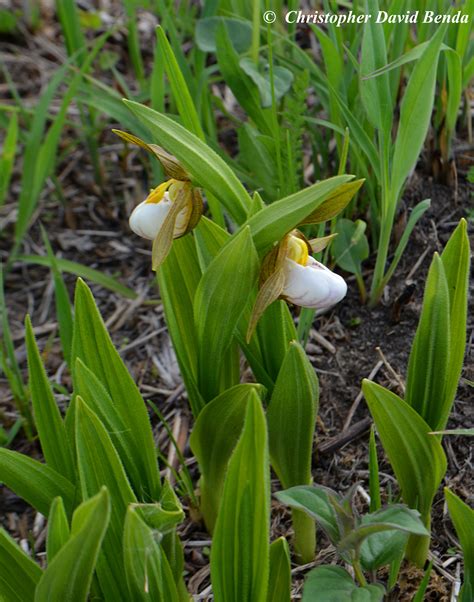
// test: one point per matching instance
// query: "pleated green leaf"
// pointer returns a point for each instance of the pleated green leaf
(417, 459)
(375, 93)
(456, 259)
(180, 90)
(203, 164)
(35, 482)
(214, 437)
(178, 279)
(148, 573)
(220, 300)
(69, 575)
(91, 390)
(463, 520)
(93, 346)
(279, 583)
(49, 423)
(58, 529)
(164, 515)
(240, 547)
(19, 575)
(99, 465)
(291, 418)
(275, 330)
(429, 362)
(415, 111)
(274, 221)
(334, 204)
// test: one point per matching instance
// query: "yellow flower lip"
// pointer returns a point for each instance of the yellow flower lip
(297, 250)
(157, 194)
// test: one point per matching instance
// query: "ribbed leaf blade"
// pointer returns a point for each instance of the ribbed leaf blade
(429, 361)
(200, 161)
(92, 344)
(147, 569)
(99, 465)
(58, 529)
(220, 300)
(456, 261)
(417, 458)
(240, 548)
(19, 575)
(214, 437)
(35, 482)
(69, 575)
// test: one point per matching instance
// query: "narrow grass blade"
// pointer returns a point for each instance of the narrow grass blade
(8, 156)
(72, 267)
(63, 303)
(374, 482)
(51, 430)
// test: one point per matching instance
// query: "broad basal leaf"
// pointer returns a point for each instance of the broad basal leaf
(69, 575)
(221, 297)
(35, 482)
(240, 547)
(417, 459)
(19, 575)
(93, 346)
(429, 361)
(147, 569)
(214, 437)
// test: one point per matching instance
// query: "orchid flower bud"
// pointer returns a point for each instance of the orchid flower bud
(309, 283)
(147, 218)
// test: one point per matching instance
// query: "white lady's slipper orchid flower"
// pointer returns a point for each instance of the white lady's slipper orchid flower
(147, 218)
(309, 283)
